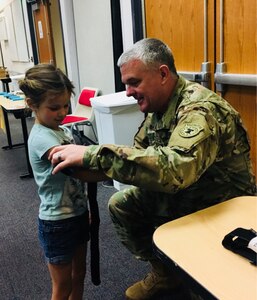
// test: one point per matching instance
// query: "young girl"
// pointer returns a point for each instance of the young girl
(63, 214)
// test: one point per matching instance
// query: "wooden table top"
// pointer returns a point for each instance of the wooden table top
(194, 243)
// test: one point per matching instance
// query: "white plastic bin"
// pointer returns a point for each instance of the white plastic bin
(117, 120)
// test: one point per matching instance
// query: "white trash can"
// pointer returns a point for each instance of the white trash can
(117, 120)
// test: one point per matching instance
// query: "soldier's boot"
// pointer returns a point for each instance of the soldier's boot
(158, 281)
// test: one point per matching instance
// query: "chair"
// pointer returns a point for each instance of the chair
(83, 115)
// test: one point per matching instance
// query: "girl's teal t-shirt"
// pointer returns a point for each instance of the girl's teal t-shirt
(61, 196)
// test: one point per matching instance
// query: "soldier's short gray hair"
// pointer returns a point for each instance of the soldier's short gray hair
(152, 52)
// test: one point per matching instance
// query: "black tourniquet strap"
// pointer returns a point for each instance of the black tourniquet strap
(94, 212)
(94, 233)
(238, 241)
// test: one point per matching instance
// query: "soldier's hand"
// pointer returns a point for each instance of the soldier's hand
(66, 156)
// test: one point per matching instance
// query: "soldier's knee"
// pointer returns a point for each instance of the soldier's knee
(114, 201)
(122, 202)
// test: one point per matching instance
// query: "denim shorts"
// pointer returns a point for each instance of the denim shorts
(59, 239)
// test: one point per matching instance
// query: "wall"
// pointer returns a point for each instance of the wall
(88, 46)
(70, 45)
(14, 65)
(94, 44)
(126, 23)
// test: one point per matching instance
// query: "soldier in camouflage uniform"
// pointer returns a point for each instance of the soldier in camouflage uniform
(191, 152)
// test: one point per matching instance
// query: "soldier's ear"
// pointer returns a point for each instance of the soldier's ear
(164, 72)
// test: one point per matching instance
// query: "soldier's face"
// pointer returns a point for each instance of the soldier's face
(145, 85)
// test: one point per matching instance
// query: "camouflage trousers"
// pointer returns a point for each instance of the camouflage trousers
(136, 213)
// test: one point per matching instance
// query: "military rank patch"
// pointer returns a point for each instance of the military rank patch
(190, 130)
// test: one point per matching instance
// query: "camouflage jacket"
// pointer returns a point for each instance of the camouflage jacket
(198, 145)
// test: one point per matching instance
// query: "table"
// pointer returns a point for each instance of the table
(5, 83)
(18, 109)
(192, 245)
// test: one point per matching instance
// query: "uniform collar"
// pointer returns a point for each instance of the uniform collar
(165, 120)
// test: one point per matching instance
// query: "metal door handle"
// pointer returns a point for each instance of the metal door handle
(203, 77)
(221, 78)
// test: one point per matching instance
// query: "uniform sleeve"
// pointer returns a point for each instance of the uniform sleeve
(192, 148)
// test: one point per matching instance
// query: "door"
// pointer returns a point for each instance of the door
(213, 42)
(43, 30)
(237, 62)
